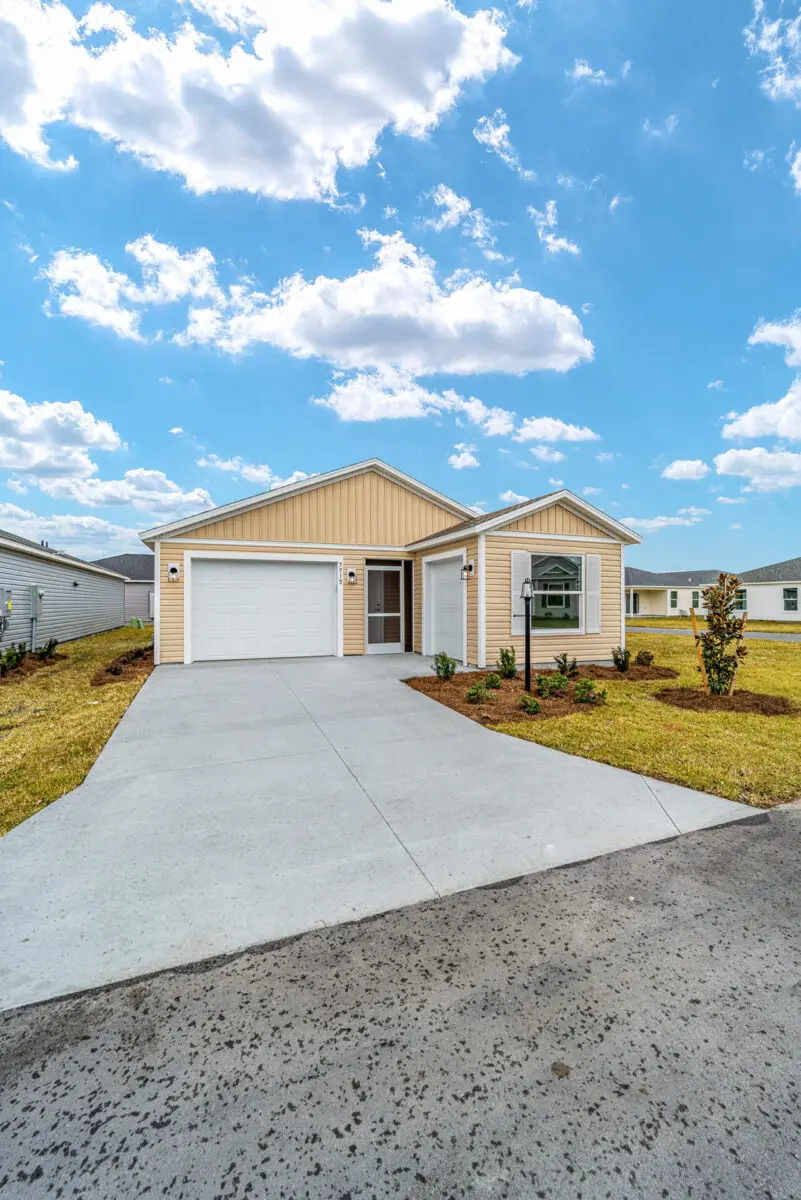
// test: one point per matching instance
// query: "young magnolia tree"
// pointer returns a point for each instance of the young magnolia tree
(722, 646)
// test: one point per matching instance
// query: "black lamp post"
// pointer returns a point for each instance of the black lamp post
(526, 592)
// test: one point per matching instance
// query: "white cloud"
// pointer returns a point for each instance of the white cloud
(765, 470)
(582, 73)
(617, 200)
(717, 385)
(391, 394)
(176, 430)
(606, 456)
(547, 454)
(781, 419)
(493, 133)
(591, 491)
(786, 334)
(83, 536)
(731, 500)
(551, 429)
(587, 308)
(458, 213)
(389, 213)
(303, 90)
(556, 482)
(510, 497)
(545, 221)
(145, 490)
(692, 511)
(51, 438)
(686, 517)
(663, 129)
(736, 525)
(778, 41)
(465, 457)
(686, 468)
(754, 159)
(253, 472)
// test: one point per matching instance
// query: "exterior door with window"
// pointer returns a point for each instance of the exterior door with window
(384, 610)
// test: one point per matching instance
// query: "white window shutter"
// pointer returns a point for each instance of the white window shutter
(521, 569)
(592, 588)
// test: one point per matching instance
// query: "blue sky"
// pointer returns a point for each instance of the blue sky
(242, 240)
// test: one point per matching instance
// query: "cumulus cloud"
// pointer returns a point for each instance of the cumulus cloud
(765, 470)
(556, 482)
(685, 517)
(686, 468)
(545, 221)
(547, 454)
(84, 536)
(777, 39)
(51, 438)
(145, 490)
(552, 429)
(458, 213)
(510, 497)
(252, 472)
(780, 419)
(493, 134)
(464, 457)
(786, 334)
(304, 89)
(731, 500)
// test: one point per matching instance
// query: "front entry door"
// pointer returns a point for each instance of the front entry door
(384, 610)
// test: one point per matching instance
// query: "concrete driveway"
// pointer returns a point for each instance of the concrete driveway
(240, 803)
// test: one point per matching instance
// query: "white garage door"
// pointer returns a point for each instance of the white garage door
(251, 609)
(446, 599)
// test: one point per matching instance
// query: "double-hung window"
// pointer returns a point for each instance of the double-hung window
(674, 599)
(791, 599)
(741, 599)
(696, 599)
(558, 592)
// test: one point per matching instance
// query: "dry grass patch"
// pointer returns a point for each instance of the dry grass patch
(686, 623)
(54, 723)
(742, 756)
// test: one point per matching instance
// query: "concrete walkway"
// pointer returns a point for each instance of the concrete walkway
(757, 637)
(240, 803)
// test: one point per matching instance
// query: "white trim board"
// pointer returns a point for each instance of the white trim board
(554, 537)
(238, 556)
(482, 600)
(346, 547)
(157, 606)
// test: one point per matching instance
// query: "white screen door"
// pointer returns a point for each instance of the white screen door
(384, 610)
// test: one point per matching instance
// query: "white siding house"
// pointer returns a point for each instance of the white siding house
(771, 593)
(139, 586)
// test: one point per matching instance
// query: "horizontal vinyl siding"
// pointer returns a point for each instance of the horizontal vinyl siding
(585, 647)
(97, 604)
(556, 519)
(367, 510)
(172, 594)
(136, 600)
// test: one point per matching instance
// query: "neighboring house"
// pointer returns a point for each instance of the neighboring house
(138, 572)
(53, 595)
(366, 560)
(769, 593)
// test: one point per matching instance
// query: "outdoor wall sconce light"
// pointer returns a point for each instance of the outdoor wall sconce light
(173, 572)
(526, 594)
(351, 576)
(468, 569)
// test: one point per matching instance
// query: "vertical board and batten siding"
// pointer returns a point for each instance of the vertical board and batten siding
(585, 647)
(97, 604)
(556, 519)
(365, 510)
(137, 601)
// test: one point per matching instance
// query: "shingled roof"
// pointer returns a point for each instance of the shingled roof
(638, 578)
(788, 571)
(137, 567)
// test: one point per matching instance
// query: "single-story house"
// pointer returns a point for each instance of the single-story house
(767, 594)
(366, 560)
(138, 572)
(45, 593)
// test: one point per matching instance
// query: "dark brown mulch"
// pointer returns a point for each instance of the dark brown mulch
(634, 674)
(133, 664)
(29, 665)
(505, 703)
(742, 702)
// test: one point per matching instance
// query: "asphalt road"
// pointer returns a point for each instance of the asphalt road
(627, 1027)
(753, 636)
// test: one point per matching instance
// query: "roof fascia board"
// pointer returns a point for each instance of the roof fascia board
(76, 564)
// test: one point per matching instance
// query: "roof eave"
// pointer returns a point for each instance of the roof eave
(51, 556)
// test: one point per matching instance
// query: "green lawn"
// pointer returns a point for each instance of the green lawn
(686, 623)
(53, 723)
(744, 757)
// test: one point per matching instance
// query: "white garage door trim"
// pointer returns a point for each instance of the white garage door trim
(239, 556)
(461, 555)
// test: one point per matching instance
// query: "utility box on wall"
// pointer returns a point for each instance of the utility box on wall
(37, 601)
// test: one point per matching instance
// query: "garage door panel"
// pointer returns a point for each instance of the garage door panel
(447, 607)
(259, 609)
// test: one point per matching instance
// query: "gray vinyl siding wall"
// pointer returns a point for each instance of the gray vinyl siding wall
(137, 602)
(68, 612)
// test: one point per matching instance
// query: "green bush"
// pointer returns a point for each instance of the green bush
(566, 666)
(13, 656)
(444, 666)
(477, 694)
(47, 650)
(644, 658)
(492, 680)
(551, 685)
(720, 654)
(621, 658)
(529, 704)
(585, 692)
(507, 663)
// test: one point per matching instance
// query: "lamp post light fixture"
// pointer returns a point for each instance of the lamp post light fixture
(526, 593)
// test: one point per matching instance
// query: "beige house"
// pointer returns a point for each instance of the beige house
(366, 560)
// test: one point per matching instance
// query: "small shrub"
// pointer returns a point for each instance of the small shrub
(585, 692)
(644, 658)
(621, 658)
(551, 685)
(566, 666)
(13, 656)
(529, 704)
(47, 650)
(477, 694)
(444, 666)
(722, 646)
(492, 680)
(507, 663)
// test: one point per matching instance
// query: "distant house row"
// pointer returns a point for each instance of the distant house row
(767, 594)
(45, 593)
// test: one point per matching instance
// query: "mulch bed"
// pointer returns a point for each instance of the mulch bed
(28, 666)
(740, 702)
(634, 674)
(133, 664)
(504, 707)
